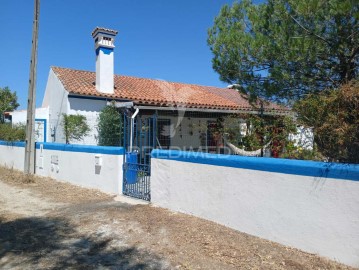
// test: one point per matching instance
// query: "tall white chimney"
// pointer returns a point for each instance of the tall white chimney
(104, 45)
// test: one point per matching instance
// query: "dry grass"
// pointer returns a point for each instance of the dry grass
(15, 176)
(56, 190)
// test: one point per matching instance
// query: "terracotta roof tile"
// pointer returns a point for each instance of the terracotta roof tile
(156, 92)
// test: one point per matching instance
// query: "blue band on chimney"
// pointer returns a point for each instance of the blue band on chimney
(104, 50)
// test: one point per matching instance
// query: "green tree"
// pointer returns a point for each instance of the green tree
(8, 102)
(75, 127)
(334, 115)
(285, 49)
(109, 127)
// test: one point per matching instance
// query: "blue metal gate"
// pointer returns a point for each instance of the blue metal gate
(139, 140)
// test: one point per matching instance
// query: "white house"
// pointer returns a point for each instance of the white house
(41, 120)
(187, 115)
(184, 110)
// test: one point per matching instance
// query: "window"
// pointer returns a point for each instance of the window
(164, 133)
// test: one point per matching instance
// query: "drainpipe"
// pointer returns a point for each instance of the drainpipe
(132, 124)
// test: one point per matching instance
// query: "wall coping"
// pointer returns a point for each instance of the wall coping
(12, 144)
(278, 165)
(109, 150)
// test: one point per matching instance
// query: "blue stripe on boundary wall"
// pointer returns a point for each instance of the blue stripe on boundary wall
(16, 144)
(278, 165)
(110, 150)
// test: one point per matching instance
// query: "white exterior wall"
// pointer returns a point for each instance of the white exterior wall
(91, 109)
(20, 117)
(12, 156)
(59, 102)
(55, 98)
(304, 138)
(317, 215)
(79, 168)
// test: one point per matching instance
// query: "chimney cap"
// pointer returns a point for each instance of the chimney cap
(102, 29)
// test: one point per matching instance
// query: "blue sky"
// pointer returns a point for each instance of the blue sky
(157, 39)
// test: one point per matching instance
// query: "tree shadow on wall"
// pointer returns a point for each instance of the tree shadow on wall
(52, 243)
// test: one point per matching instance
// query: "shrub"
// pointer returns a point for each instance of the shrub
(110, 128)
(75, 127)
(12, 133)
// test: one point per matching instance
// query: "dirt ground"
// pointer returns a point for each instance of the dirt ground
(46, 224)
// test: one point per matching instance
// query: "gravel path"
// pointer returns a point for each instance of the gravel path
(55, 225)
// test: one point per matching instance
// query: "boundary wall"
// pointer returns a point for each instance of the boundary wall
(313, 206)
(97, 167)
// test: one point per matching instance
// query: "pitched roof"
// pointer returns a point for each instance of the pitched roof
(157, 93)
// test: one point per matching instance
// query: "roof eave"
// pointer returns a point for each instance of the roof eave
(209, 110)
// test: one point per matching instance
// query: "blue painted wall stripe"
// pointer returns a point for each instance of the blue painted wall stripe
(287, 166)
(15, 144)
(110, 150)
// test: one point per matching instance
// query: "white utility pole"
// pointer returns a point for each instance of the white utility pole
(29, 166)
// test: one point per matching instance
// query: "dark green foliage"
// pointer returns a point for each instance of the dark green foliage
(110, 127)
(285, 49)
(11, 133)
(75, 127)
(8, 102)
(334, 115)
